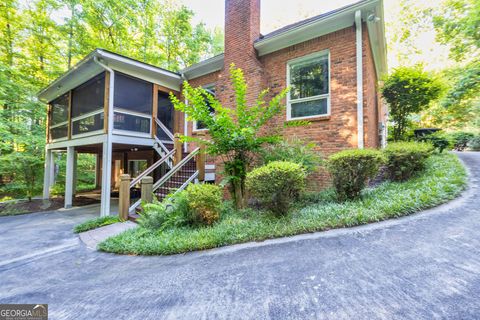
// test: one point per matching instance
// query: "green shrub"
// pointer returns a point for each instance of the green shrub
(351, 170)
(276, 184)
(205, 202)
(405, 159)
(460, 139)
(439, 140)
(171, 212)
(474, 143)
(296, 151)
(197, 204)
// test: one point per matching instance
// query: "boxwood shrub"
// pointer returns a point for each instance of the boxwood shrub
(351, 170)
(405, 159)
(205, 201)
(277, 184)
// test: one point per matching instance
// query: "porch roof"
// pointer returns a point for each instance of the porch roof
(87, 68)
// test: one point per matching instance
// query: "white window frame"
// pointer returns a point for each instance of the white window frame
(206, 87)
(292, 62)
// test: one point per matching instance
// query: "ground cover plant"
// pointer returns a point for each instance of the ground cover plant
(443, 178)
(95, 223)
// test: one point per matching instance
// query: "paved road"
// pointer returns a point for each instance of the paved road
(425, 266)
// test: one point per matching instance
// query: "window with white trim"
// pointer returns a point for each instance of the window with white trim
(198, 125)
(309, 81)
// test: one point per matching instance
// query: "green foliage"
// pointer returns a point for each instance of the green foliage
(474, 143)
(41, 39)
(457, 25)
(95, 223)
(439, 140)
(460, 139)
(198, 204)
(351, 170)
(294, 150)
(234, 130)
(406, 159)
(174, 211)
(277, 184)
(443, 179)
(408, 90)
(205, 202)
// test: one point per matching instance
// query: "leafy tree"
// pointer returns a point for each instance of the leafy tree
(408, 90)
(236, 132)
(457, 23)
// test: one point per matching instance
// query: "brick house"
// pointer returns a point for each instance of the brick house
(118, 108)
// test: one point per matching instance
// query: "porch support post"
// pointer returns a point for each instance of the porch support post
(97, 171)
(48, 174)
(124, 197)
(52, 168)
(69, 177)
(177, 144)
(75, 173)
(106, 178)
(147, 189)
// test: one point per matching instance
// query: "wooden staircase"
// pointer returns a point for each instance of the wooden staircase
(179, 180)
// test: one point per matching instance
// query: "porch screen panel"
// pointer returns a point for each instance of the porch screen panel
(89, 97)
(59, 110)
(88, 124)
(59, 132)
(165, 115)
(129, 122)
(133, 94)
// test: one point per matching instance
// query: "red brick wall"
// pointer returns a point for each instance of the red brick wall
(337, 131)
(242, 28)
(331, 133)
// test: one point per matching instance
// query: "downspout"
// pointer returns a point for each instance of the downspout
(359, 53)
(105, 205)
(185, 122)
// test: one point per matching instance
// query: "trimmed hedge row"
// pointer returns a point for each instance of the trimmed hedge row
(351, 169)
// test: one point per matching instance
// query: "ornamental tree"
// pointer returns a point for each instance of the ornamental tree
(408, 90)
(234, 130)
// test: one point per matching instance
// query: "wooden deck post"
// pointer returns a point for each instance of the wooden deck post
(147, 189)
(201, 159)
(124, 197)
(177, 144)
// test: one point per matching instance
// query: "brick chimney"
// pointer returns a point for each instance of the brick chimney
(242, 28)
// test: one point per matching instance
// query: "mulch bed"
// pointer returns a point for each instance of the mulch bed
(38, 205)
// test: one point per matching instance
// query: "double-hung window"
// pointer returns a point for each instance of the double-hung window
(198, 125)
(309, 81)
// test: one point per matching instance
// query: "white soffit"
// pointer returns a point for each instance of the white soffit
(87, 69)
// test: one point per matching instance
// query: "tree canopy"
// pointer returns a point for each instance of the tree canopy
(41, 39)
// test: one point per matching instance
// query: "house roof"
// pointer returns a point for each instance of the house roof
(311, 28)
(88, 68)
(330, 22)
(204, 67)
(284, 37)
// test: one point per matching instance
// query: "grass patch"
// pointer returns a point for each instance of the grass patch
(95, 223)
(443, 179)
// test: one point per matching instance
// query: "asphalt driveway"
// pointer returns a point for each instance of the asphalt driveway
(426, 266)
